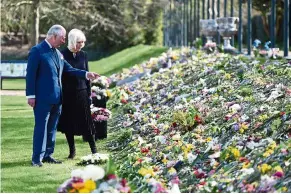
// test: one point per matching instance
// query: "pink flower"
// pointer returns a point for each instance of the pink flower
(278, 174)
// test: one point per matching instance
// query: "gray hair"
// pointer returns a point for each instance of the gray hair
(74, 36)
(55, 30)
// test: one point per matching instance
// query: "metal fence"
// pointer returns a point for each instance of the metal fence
(181, 21)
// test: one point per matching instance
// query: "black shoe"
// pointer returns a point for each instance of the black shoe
(37, 164)
(51, 161)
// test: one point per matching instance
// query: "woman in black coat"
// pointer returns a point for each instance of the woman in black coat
(76, 118)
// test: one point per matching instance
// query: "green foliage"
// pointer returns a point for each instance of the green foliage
(245, 91)
(109, 25)
(185, 118)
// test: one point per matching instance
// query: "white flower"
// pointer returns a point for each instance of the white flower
(161, 139)
(191, 157)
(175, 189)
(275, 94)
(235, 107)
(215, 155)
(141, 141)
(176, 137)
(247, 171)
(77, 173)
(213, 183)
(93, 172)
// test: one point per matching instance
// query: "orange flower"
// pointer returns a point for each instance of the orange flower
(78, 185)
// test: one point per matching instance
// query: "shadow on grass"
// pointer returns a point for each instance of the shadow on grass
(22, 163)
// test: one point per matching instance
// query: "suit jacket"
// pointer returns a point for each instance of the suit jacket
(44, 72)
(71, 83)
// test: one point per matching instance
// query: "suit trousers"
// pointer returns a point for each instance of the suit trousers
(46, 118)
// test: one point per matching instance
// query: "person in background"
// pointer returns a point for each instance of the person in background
(76, 118)
(44, 91)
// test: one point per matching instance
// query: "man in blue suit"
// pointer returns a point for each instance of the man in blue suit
(44, 91)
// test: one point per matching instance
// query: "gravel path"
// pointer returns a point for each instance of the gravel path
(12, 92)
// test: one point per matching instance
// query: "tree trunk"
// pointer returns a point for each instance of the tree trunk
(34, 35)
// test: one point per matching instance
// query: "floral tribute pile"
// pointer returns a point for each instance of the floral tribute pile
(96, 159)
(94, 179)
(205, 123)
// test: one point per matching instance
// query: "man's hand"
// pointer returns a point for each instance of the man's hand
(92, 75)
(31, 102)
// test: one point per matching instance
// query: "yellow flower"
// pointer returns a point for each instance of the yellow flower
(246, 165)
(90, 185)
(172, 171)
(165, 160)
(278, 169)
(109, 94)
(241, 130)
(84, 190)
(145, 171)
(265, 168)
(189, 146)
(208, 139)
(185, 153)
(235, 152)
(174, 57)
(263, 117)
(227, 76)
(168, 148)
(268, 153)
(244, 126)
(284, 189)
(273, 145)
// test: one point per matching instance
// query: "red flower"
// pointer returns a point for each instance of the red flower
(139, 160)
(123, 182)
(243, 159)
(199, 174)
(157, 116)
(174, 124)
(157, 131)
(198, 119)
(123, 101)
(144, 150)
(111, 176)
(282, 113)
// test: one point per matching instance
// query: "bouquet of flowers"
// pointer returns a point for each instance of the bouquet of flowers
(100, 114)
(101, 82)
(94, 159)
(94, 179)
(99, 93)
(210, 47)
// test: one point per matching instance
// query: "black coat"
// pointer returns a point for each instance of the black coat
(76, 115)
(80, 61)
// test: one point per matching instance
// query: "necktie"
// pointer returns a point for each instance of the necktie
(56, 56)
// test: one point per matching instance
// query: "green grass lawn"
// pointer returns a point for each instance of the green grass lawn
(125, 59)
(106, 66)
(17, 174)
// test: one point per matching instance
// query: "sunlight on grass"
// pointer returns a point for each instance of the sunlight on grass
(126, 58)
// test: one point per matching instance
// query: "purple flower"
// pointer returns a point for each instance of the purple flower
(235, 127)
